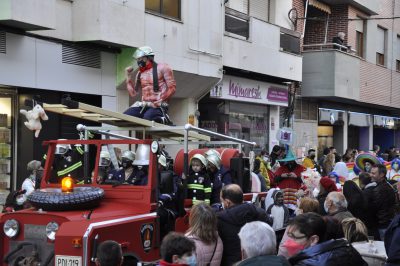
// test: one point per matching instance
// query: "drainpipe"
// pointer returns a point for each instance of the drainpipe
(305, 19)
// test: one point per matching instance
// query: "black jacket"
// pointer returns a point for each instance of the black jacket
(329, 253)
(230, 221)
(392, 242)
(369, 218)
(384, 203)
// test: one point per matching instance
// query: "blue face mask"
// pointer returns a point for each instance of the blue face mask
(191, 261)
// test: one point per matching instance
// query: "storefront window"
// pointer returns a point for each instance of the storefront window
(6, 143)
(237, 119)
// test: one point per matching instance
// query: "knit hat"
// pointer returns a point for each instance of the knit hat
(328, 184)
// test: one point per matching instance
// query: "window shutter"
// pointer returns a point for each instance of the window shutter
(380, 40)
(239, 5)
(259, 9)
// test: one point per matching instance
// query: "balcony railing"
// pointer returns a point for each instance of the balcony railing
(329, 46)
(290, 41)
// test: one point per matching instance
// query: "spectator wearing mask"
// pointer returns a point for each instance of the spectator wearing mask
(278, 212)
(275, 154)
(231, 219)
(109, 253)
(383, 199)
(262, 168)
(336, 206)
(219, 175)
(394, 173)
(308, 246)
(309, 161)
(258, 245)
(288, 179)
(203, 231)
(326, 185)
(177, 250)
(305, 205)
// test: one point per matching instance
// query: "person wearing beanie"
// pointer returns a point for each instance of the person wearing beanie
(326, 185)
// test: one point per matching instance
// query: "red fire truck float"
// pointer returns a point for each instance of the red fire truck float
(69, 220)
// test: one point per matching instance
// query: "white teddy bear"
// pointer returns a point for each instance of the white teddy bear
(33, 117)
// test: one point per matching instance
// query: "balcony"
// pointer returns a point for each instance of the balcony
(254, 45)
(370, 7)
(113, 23)
(28, 14)
(331, 73)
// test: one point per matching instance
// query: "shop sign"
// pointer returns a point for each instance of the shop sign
(247, 90)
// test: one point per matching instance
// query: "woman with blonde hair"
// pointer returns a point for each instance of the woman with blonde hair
(203, 231)
(354, 230)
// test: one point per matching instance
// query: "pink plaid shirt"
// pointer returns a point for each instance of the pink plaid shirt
(166, 83)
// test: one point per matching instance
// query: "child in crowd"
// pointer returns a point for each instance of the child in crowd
(278, 212)
(198, 181)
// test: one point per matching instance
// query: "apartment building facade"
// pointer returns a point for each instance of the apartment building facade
(350, 94)
(49, 48)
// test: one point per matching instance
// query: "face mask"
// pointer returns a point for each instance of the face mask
(20, 200)
(395, 166)
(265, 159)
(367, 168)
(191, 261)
(315, 192)
(326, 207)
(126, 163)
(141, 63)
(293, 247)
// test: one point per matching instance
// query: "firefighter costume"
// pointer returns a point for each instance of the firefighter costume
(198, 181)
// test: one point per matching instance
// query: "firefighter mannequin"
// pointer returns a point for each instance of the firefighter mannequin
(68, 161)
(157, 84)
(35, 171)
(128, 172)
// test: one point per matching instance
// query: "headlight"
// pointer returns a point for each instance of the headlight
(11, 228)
(51, 230)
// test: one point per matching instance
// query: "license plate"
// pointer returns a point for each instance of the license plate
(68, 260)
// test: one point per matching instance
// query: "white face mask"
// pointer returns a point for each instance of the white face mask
(326, 207)
(20, 200)
(191, 261)
(315, 192)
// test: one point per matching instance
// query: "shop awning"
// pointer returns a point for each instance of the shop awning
(385, 121)
(359, 119)
(320, 6)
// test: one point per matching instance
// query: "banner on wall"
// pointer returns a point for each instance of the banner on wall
(253, 91)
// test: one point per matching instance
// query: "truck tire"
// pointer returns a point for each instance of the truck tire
(53, 199)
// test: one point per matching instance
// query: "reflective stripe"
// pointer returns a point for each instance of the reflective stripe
(69, 169)
(195, 186)
(207, 201)
(79, 149)
(45, 156)
(207, 190)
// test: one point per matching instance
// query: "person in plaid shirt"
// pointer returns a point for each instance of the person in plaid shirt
(157, 83)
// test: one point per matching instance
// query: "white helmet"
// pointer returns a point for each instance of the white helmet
(130, 155)
(142, 155)
(143, 51)
(105, 158)
(213, 152)
(62, 148)
(215, 160)
(199, 157)
(162, 160)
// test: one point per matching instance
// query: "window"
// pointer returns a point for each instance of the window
(398, 53)
(398, 65)
(237, 23)
(381, 46)
(170, 8)
(360, 28)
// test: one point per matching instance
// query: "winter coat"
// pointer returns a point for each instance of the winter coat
(383, 203)
(204, 252)
(341, 214)
(230, 221)
(329, 253)
(219, 179)
(270, 260)
(392, 242)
